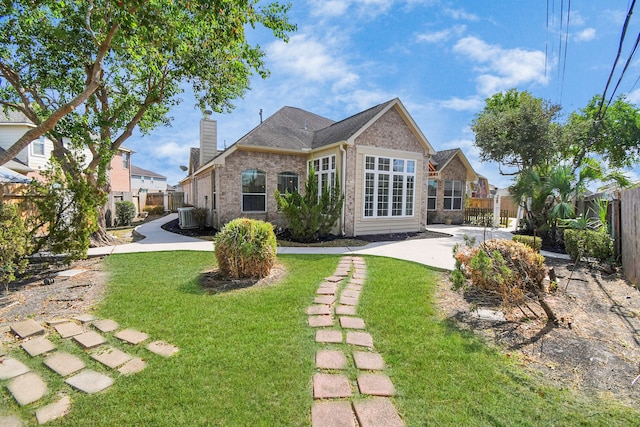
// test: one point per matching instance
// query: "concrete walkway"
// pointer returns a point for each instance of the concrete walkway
(436, 252)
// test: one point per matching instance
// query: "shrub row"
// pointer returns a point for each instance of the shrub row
(588, 244)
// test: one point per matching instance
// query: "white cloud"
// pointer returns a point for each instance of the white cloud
(171, 150)
(329, 8)
(473, 103)
(585, 35)
(360, 100)
(460, 14)
(502, 69)
(633, 97)
(443, 35)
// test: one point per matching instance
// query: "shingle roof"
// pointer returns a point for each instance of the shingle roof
(194, 159)
(135, 170)
(12, 116)
(441, 158)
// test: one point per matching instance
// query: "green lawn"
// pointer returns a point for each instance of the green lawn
(246, 358)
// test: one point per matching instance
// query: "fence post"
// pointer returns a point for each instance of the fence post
(496, 210)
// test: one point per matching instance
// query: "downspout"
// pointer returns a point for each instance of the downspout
(344, 180)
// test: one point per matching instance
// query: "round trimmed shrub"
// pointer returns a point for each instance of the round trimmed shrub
(125, 212)
(246, 248)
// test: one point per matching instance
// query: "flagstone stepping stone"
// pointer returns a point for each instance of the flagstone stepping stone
(325, 299)
(377, 412)
(2, 350)
(11, 421)
(69, 273)
(27, 328)
(346, 310)
(54, 410)
(351, 294)
(90, 381)
(10, 368)
(322, 309)
(353, 287)
(328, 336)
(327, 386)
(331, 359)
(332, 414)
(133, 366)
(64, 363)
(162, 348)
(132, 336)
(85, 318)
(352, 323)
(111, 357)
(368, 361)
(348, 300)
(54, 322)
(320, 321)
(38, 346)
(27, 388)
(376, 385)
(362, 339)
(68, 329)
(106, 325)
(358, 282)
(89, 339)
(326, 291)
(342, 272)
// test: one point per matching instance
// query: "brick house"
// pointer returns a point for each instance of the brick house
(380, 157)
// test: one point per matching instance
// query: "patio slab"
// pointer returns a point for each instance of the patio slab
(132, 336)
(38, 346)
(11, 368)
(27, 388)
(64, 363)
(89, 339)
(377, 412)
(349, 310)
(133, 366)
(325, 299)
(362, 339)
(320, 321)
(351, 322)
(27, 328)
(327, 386)
(376, 385)
(319, 309)
(68, 329)
(328, 336)
(90, 382)
(111, 357)
(162, 348)
(54, 410)
(332, 414)
(106, 325)
(330, 359)
(368, 361)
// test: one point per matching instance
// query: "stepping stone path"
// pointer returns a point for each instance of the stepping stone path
(87, 336)
(341, 393)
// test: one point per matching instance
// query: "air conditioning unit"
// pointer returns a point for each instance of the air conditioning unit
(186, 219)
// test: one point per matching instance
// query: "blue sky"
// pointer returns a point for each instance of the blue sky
(441, 58)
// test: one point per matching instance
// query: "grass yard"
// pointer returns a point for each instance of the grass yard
(247, 357)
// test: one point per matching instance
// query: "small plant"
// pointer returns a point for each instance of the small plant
(532, 241)
(154, 210)
(246, 248)
(15, 244)
(125, 212)
(200, 216)
(588, 243)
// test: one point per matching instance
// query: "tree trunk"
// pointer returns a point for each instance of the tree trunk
(551, 317)
(101, 237)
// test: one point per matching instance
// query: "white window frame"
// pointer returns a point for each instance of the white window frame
(382, 175)
(434, 196)
(40, 142)
(262, 194)
(452, 198)
(325, 169)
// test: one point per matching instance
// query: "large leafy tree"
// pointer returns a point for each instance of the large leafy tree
(87, 73)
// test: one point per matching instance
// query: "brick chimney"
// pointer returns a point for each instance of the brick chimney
(208, 138)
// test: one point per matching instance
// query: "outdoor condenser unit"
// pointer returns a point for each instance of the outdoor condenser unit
(186, 219)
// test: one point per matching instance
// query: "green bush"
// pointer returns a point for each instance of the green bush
(200, 216)
(15, 244)
(125, 212)
(154, 210)
(588, 244)
(533, 242)
(246, 248)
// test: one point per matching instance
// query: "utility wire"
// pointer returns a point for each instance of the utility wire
(566, 42)
(626, 65)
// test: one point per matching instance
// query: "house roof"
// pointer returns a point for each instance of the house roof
(16, 164)
(442, 158)
(135, 170)
(13, 117)
(8, 176)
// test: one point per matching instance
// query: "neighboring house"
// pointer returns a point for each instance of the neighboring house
(379, 156)
(451, 179)
(146, 181)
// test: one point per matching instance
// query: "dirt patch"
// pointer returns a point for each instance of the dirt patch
(215, 282)
(594, 348)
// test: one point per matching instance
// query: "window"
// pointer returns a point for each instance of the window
(325, 168)
(389, 187)
(125, 160)
(37, 146)
(287, 182)
(213, 191)
(452, 195)
(254, 191)
(432, 195)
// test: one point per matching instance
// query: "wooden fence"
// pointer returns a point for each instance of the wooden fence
(484, 217)
(630, 234)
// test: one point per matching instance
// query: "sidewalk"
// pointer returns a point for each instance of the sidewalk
(435, 252)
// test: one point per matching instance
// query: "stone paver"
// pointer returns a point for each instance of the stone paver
(348, 301)
(85, 318)
(328, 336)
(162, 348)
(368, 361)
(106, 325)
(27, 328)
(69, 273)
(320, 321)
(348, 310)
(38, 346)
(325, 299)
(332, 414)
(351, 294)
(64, 363)
(376, 385)
(27, 388)
(2, 350)
(326, 290)
(11, 421)
(342, 272)
(132, 336)
(68, 329)
(57, 321)
(111, 357)
(10, 368)
(377, 412)
(133, 366)
(90, 381)
(353, 287)
(322, 309)
(327, 386)
(351, 322)
(331, 359)
(362, 339)
(54, 410)
(335, 279)
(89, 339)
(359, 281)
